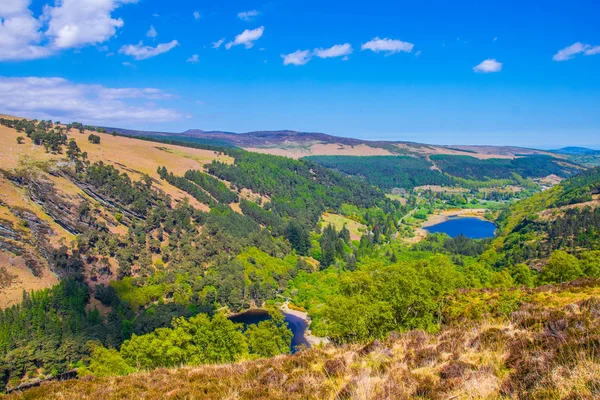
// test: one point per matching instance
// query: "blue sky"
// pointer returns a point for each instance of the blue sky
(467, 72)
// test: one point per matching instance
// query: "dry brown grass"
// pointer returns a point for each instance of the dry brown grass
(542, 350)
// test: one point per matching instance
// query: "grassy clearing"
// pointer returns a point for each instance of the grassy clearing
(338, 221)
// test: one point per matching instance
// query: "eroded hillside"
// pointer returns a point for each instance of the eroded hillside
(41, 203)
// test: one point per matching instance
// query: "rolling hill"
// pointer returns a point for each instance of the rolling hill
(126, 255)
(300, 144)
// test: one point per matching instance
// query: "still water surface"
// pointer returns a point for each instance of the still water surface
(473, 228)
(296, 325)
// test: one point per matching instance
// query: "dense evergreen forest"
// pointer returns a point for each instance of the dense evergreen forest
(180, 271)
(388, 172)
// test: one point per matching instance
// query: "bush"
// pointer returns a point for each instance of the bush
(95, 139)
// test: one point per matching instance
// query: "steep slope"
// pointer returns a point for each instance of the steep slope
(504, 343)
(39, 204)
(139, 232)
(566, 217)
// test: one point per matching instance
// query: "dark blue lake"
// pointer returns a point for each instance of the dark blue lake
(473, 228)
(296, 325)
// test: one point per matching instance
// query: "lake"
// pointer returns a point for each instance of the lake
(297, 325)
(473, 228)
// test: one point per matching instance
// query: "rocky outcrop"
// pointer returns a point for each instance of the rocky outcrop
(33, 246)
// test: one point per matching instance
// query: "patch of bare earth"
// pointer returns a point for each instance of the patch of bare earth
(322, 149)
(21, 279)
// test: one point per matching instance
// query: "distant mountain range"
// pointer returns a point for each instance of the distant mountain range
(577, 151)
(300, 144)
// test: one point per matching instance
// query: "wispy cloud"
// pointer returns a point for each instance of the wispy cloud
(248, 15)
(299, 57)
(197, 15)
(218, 43)
(338, 50)
(193, 59)
(487, 66)
(36, 97)
(388, 46)
(576, 48)
(152, 32)
(141, 52)
(247, 38)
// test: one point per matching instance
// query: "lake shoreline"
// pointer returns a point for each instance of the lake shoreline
(446, 215)
(310, 338)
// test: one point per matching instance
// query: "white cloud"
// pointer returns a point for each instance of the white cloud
(592, 51)
(129, 65)
(60, 99)
(197, 15)
(299, 57)
(218, 43)
(75, 23)
(489, 65)
(20, 34)
(388, 46)
(193, 59)
(248, 15)
(418, 53)
(141, 52)
(339, 50)
(152, 32)
(576, 48)
(68, 24)
(247, 38)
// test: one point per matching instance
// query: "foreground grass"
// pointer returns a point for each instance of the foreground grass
(544, 347)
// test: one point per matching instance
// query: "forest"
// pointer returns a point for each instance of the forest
(388, 172)
(149, 281)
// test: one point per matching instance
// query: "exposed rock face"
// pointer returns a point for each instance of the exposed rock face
(60, 207)
(33, 246)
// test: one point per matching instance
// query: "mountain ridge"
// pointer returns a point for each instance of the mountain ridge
(297, 144)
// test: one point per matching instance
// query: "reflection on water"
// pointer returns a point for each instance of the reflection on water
(297, 325)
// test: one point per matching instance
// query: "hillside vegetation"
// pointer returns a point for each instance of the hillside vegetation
(142, 249)
(388, 172)
(566, 217)
(498, 344)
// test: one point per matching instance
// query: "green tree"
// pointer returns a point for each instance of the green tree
(271, 337)
(521, 275)
(95, 139)
(298, 237)
(20, 139)
(107, 362)
(590, 263)
(561, 267)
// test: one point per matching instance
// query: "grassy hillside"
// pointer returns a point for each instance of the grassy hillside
(497, 344)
